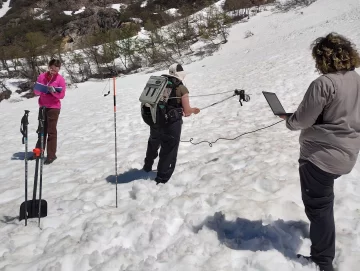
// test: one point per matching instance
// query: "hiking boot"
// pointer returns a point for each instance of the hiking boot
(48, 161)
(159, 180)
(310, 260)
(327, 268)
(147, 168)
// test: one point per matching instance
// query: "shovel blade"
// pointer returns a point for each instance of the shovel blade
(33, 209)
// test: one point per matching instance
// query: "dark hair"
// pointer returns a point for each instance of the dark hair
(334, 53)
(55, 62)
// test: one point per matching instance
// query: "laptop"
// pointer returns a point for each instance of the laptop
(275, 104)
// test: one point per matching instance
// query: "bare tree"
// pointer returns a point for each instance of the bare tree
(34, 46)
(222, 21)
(91, 49)
(286, 6)
(79, 66)
(206, 26)
(240, 7)
(176, 41)
(4, 58)
(3, 86)
(14, 53)
(128, 46)
(215, 23)
(5, 93)
(154, 48)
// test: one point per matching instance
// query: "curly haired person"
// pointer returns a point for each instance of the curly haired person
(329, 120)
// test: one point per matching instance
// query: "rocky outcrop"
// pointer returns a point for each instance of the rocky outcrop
(91, 20)
(29, 94)
(74, 5)
(25, 86)
(5, 95)
(51, 17)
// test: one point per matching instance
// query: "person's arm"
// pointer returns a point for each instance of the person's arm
(39, 79)
(188, 110)
(318, 95)
(60, 95)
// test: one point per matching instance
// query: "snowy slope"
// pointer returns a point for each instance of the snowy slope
(234, 206)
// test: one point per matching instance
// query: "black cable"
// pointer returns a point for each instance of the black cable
(218, 102)
(105, 88)
(241, 93)
(204, 95)
(223, 138)
(242, 97)
(211, 94)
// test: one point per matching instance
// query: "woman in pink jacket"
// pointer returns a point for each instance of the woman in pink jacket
(51, 100)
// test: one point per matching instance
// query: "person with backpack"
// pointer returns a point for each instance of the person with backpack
(166, 136)
(50, 99)
(329, 120)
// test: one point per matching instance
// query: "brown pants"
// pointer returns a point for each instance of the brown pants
(50, 132)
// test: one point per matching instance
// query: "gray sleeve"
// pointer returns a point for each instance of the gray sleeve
(318, 95)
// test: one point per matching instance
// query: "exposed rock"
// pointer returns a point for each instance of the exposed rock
(87, 17)
(29, 94)
(91, 20)
(26, 86)
(4, 95)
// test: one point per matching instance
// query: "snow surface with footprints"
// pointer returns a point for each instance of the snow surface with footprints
(233, 206)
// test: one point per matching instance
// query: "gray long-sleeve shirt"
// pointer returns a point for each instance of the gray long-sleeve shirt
(329, 120)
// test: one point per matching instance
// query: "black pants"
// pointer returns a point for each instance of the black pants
(167, 139)
(317, 189)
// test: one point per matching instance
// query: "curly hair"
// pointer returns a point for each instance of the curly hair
(334, 53)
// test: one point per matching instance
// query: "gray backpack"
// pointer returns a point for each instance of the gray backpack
(157, 100)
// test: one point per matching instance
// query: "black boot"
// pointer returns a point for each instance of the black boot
(48, 161)
(159, 180)
(147, 168)
(310, 260)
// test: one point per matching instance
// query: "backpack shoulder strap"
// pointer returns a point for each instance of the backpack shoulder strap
(173, 95)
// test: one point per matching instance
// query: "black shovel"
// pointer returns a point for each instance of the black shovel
(34, 208)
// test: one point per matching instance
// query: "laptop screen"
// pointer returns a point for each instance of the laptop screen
(274, 103)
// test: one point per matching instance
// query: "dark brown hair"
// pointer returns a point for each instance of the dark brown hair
(334, 53)
(55, 62)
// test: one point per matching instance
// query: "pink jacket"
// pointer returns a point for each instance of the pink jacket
(51, 100)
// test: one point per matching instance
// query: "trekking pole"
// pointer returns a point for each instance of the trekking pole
(35, 208)
(116, 175)
(36, 152)
(41, 121)
(24, 131)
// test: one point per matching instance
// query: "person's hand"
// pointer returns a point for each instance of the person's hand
(51, 89)
(284, 117)
(196, 110)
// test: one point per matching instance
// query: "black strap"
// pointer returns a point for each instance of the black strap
(24, 125)
(173, 100)
(41, 119)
